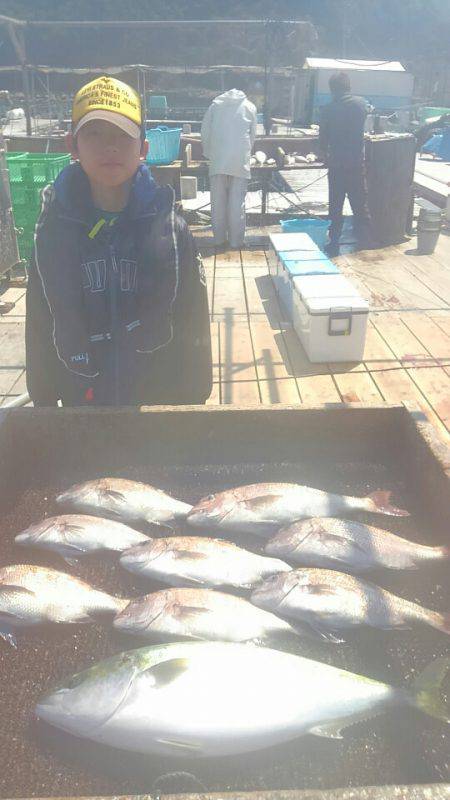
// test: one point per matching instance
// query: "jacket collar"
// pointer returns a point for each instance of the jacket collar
(74, 200)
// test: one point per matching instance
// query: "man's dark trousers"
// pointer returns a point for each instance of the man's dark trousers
(348, 181)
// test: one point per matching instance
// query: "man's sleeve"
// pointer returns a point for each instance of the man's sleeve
(253, 127)
(206, 133)
(41, 358)
(324, 133)
(192, 325)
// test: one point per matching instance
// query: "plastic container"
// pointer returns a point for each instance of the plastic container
(290, 268)
(315, 228)
(330, 318)
(428, 229)
(164, 144)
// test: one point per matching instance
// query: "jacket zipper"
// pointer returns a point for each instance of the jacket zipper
(114, 323)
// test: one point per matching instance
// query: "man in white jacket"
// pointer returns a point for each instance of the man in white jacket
(228, 134)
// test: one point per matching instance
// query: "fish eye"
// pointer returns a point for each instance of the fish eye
(211, 497)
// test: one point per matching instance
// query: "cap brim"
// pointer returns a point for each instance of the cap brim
(125, 124)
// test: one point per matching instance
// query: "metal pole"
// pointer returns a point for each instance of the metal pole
(26, 92)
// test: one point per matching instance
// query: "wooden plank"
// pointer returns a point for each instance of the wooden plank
(388, 282)
(358, 387)
(243, 393)
(279, 391)
(229, 296)
(377, 354)
(318, 389)
(442, 319)
(214, 397)
(12, 343)
(9, 377)
(430, 273)
(271, 356)
(262, 298)
(215, 348)
(228, 258)
(397, 386)
(236, 351)
(254, 258)
(297, 358)
(405, 346)
(435, 385)
(227, 271)
(429, 334)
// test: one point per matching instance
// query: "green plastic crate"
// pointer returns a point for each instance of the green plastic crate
(35, 168)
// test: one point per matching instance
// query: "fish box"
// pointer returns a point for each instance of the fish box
(293, 264)
(284, 242)
(330, 318)
(191, 452)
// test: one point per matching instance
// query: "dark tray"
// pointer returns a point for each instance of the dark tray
(191, 452)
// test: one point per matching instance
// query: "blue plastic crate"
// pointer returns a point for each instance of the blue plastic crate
(164, 144)
(315, 228)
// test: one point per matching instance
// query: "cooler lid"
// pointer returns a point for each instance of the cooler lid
(300, 255)
(320, 293)
(292, 241)
(309, 266)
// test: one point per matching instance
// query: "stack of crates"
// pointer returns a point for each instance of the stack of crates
(29, 173)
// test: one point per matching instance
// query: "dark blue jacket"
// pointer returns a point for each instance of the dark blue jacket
(121, 318)
(341, 137)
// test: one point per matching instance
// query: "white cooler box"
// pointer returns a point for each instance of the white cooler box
(283, 242)
(330, 318)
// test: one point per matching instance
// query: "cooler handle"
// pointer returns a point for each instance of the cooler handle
(344, 314)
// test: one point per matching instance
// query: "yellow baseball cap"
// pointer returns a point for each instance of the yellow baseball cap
(110, 100)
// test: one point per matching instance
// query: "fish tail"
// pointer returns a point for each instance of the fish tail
(380, 503)
(442, 553)
(440, 621)
(427, 689)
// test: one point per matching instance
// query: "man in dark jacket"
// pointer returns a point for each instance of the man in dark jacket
(117, 310)
(341, 145)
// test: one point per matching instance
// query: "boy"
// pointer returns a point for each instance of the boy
(117, 310)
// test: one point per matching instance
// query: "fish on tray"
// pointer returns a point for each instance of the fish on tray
(331, 602)
(200, 614)
(263, 508)
(75, 535)
(341, 543)
(209, 699)
(126, 500)
(181, 560)
(31, 595)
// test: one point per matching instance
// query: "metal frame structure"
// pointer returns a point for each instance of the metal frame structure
(272, 28)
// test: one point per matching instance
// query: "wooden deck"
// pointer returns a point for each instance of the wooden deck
(258, 358)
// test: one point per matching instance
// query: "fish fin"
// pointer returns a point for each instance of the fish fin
(330, 730)
(188, 612)
(112, 494)
(333, 538)
(427, 689)
(328, 636)
(380, 503)
(188, 554)
(9, 637)
(318, 588)
(71, 561)
(441, 622)
(255, 503)
(9, 591)
(166, 671)
(181, 746)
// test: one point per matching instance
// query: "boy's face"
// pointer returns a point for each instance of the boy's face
(108, 155)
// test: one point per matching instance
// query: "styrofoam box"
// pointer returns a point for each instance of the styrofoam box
(283, 242)
(329, 317)
(289, 268)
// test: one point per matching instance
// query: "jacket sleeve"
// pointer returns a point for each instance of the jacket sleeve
(41, 358)
(206, 132)
(191, 324)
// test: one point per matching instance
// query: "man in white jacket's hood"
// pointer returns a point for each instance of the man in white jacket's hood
(228, 134)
